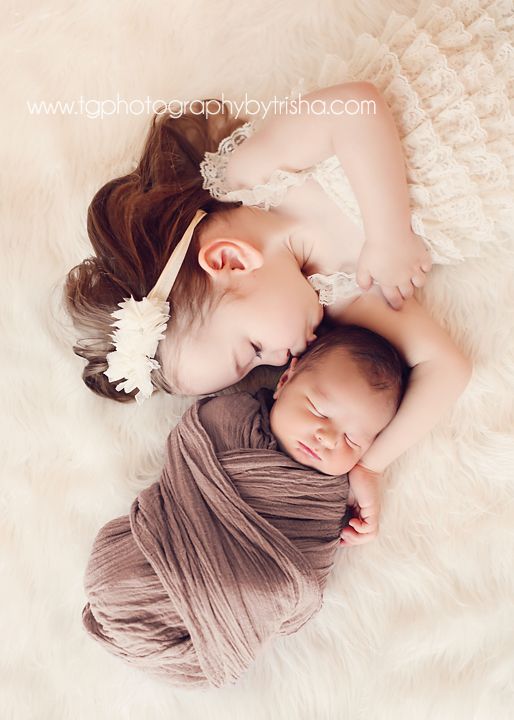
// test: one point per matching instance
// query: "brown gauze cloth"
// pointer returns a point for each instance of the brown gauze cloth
(232, 546)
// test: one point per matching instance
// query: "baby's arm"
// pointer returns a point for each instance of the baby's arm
(369, 149)
(439, 371)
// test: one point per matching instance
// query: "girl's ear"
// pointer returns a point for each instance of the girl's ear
(285, 377)
(225, 255)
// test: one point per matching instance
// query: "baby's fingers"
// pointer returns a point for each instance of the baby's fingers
(350, 537)
(362, 526)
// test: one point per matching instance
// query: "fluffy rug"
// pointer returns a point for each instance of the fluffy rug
(417, 624)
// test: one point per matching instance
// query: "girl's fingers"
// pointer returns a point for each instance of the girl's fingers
(406, 290)
(426, 265)
(364, 279)
(418, 279)
(393, 297)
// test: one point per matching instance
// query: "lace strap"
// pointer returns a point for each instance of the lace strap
(338, 286)
(269, 194)
(213, 166)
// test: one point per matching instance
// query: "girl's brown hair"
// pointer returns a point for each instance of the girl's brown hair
(134, 222)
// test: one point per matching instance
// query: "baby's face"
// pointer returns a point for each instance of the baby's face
(326, 417)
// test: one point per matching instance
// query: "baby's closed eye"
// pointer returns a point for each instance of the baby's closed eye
(317, 413)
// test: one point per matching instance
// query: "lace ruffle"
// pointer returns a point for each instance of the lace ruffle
(447, 77)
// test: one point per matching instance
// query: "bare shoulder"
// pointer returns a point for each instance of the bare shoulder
(292, 141)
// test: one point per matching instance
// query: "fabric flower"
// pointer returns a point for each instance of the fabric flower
(141, 324)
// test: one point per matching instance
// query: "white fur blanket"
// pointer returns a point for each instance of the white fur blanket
(417, 624)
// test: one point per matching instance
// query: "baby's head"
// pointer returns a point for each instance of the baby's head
(333, 401)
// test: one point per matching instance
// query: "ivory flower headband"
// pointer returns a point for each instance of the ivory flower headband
(141, 324)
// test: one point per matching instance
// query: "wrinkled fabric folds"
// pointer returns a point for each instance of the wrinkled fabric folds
(231, 546)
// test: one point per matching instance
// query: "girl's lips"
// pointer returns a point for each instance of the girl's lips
(306, 449)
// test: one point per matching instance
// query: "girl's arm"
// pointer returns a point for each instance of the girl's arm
(352, 121)
(439, 371)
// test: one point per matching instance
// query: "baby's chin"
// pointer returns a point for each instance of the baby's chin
(326, 470)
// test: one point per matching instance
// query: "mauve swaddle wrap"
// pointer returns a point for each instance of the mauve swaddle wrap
(231, 546)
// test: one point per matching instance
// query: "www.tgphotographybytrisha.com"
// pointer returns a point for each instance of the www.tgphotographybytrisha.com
(248, 107)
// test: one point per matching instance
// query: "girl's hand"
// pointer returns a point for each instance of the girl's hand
(364, 499)
(397, 266)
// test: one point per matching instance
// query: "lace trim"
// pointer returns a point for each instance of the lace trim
(334, 287)
(265, 195)
(269, 194)
(213, 166)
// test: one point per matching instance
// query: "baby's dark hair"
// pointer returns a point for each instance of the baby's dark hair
(379, 362)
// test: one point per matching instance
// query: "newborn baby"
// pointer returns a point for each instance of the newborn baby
(234, 543)
(331, 403)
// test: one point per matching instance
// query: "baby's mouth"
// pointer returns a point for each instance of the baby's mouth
(307, 450)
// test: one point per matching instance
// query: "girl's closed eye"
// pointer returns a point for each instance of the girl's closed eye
(258, 350)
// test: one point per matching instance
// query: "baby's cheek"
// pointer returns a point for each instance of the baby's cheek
(364, 449)
(359, 452)
(343, 461)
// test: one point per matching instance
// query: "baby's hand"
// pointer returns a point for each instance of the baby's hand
(397, 266)
(364, 499)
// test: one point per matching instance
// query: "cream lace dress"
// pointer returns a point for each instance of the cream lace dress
(447, 75)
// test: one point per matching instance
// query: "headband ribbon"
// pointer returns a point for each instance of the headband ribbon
(142, 323)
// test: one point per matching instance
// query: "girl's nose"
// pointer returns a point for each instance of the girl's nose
(280, 357)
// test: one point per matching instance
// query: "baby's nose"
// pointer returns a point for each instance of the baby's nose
(328, 439)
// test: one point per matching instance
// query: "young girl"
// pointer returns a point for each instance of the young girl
(308, 203)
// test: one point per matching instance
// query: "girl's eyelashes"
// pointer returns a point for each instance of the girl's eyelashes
(258, 350)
